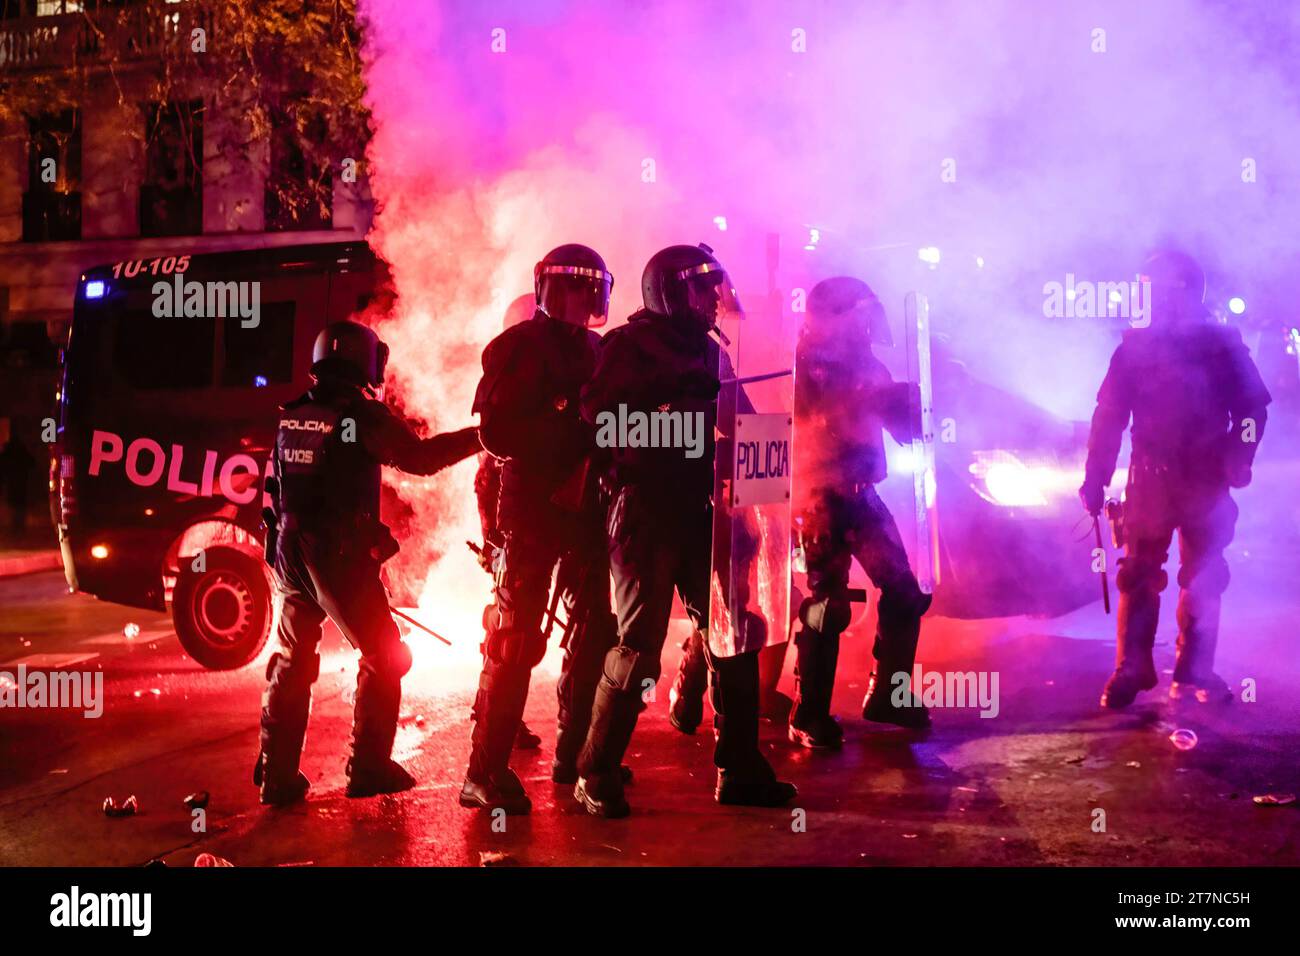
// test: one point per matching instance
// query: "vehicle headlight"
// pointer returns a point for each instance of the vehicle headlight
(1004, 480)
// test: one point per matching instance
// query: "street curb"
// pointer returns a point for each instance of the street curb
(30, 563)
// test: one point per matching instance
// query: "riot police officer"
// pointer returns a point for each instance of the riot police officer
(487, 492)
(548, 510)
(660, 531)
(844, 396)
(1198, 407)
(327, 544)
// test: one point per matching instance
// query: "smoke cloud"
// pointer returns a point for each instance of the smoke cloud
(1044, 139)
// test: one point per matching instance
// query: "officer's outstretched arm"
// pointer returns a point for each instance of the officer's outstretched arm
(392, 442)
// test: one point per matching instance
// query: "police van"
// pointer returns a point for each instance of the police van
(172, 375)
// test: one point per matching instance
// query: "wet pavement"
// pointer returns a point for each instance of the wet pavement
(1023, 787)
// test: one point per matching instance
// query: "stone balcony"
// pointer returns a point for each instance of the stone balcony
(111, 35)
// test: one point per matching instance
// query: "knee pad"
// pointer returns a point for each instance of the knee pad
(627, 669)
(514, 647)
(393, 661)
(300, 667)
(829, 615)
(1210, 579)
(903, 603)
(497, 618)
(1135, 575)
(400, 658)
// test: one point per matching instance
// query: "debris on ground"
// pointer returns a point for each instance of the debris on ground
(211, 859)
(128, 808)
(496, 858)
(1183, 739)
(197, 800)
(1274, 799)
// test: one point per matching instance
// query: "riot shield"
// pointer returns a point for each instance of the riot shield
(749, 591)
(916, 309)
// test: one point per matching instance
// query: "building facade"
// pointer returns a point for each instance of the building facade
(115, 174)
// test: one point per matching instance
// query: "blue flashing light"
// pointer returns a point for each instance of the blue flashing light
(259, 381)
(96, 288)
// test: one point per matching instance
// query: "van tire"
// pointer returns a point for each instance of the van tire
(222, 614)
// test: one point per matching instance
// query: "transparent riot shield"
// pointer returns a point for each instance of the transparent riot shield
(916, 310)
(749, 593)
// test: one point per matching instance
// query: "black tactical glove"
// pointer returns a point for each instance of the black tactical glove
(1093, 497)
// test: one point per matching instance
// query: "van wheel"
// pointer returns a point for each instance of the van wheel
(222, 614)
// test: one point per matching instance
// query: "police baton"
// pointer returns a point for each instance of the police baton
(1105, 584)
(748, 379)
(410, 620)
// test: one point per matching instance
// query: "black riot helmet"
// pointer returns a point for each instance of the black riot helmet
(573, 285)
(688, 280)
(1176, 287)
(846, 306)
(351, 352)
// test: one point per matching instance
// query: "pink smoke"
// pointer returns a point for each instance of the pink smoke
(504, 129)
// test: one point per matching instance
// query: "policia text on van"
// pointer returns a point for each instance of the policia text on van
(166, 427)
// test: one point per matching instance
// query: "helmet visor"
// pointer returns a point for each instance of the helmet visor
(576, 294)
(868, 317)
(711, 293)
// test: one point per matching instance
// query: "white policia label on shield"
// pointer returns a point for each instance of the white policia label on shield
(762, 459)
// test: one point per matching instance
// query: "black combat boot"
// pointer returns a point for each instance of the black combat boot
(773, 705)
(686, 696)
(600, 781)
(568, 745)
(489, 781)
(811, 723)
(898, 629)
(286, 704)
(1135, 637)
(1198, 635)
(525, 739)
(277, 790)
(613, 719)
(745, 778)
(370, 778)
(584, 663)
(500, 790)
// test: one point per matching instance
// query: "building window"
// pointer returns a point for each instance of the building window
(262, 355)
(52, 202)
(171, 197)
(52, 8)
(299, 192)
